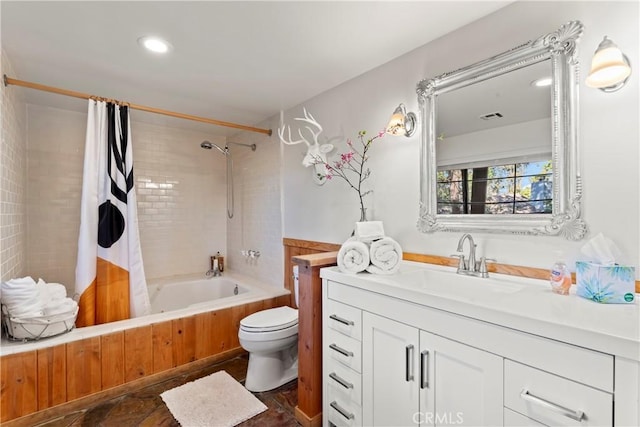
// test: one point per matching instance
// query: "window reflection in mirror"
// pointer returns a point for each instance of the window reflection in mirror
(507, 188)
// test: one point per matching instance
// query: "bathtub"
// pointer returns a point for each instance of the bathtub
(171, 298)
(194, 322)
(191, 293)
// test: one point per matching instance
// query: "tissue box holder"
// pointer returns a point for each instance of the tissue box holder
(607, 284)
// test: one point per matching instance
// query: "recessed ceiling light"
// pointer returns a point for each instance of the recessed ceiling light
(543, 82)
(154, 44)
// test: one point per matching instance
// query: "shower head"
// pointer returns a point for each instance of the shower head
(209, 145)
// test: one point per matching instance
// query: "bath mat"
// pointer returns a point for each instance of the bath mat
(212, 401)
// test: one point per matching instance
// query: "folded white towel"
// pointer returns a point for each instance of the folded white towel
(66, 305)
(386, 255)
(52, 291)
(368, 231)
(24, 298)
(353, 256)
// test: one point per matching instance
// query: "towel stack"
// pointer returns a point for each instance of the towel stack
(370, 250)
(25, 299)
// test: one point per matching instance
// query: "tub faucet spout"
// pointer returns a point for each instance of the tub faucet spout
(213, 272)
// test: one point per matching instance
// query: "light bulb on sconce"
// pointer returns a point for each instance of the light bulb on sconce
(401, 122)
(610, 68)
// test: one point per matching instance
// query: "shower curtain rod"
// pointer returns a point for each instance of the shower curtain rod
(9, 81)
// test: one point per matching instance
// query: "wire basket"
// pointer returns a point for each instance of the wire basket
(35, 328)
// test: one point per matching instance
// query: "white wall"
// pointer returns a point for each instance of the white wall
(531, 138)
(608, 138)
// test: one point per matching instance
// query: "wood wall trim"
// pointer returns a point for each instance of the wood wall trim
(90, 400)
(310, 244)
(512, 270)
(322, 259)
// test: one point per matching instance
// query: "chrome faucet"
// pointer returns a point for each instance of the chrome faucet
(470, 266)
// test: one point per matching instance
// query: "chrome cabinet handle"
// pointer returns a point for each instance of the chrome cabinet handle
(569, 413)
(424, 369)
(342, 382)
(341, 410)
(341, 350)
(408, 352)
(341, 320)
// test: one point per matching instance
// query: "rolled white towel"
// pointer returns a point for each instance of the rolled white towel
(353, 256)
(386, 255)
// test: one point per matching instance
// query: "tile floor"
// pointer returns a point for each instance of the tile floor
(145, 407)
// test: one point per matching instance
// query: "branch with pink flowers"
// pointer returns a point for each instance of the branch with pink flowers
(351, 166)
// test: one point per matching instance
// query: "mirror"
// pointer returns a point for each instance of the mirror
(499, 154)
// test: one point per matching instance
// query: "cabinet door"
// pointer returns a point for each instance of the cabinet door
(459, 384)
(389, 372)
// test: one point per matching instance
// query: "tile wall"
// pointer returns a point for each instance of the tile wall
(180, 190)
(12, 177)
(257, 223)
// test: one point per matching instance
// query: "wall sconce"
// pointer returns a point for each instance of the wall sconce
(401, 122)
(610, 68)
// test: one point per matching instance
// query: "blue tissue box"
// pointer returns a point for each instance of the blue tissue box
(607, 284)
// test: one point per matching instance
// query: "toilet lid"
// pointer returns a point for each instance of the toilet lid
(270, 320)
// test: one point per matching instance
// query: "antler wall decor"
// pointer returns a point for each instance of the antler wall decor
(316, 153)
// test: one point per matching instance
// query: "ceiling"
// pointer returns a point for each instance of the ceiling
(234, 61)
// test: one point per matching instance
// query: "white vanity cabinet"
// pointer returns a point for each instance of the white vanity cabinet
(413, 377)
(392, 357)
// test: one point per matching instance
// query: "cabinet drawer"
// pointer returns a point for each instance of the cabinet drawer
(343, 349)
(344, 382)
(554, 400)
(341, 412)
(514, 419)
(343, 318)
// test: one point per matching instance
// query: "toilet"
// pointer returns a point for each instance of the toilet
(271, 338)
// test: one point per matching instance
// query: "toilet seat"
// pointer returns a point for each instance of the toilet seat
(273, 319)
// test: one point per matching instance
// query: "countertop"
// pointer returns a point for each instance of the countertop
(527, 305)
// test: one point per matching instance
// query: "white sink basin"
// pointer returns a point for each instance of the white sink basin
(446, 282)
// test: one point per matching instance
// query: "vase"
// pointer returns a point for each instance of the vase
(363, 214)
(363, 217)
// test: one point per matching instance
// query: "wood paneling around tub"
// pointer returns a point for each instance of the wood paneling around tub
(18, 385)
(51, 377)
(112, 359)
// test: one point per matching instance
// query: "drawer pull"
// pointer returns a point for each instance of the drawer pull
(342, 382)
(342, 411)
(424, 369)
(341, 350)
(408, 352)
(569, 413)
(341, 320)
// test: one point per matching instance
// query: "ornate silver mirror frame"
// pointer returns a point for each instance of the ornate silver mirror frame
(560, 48)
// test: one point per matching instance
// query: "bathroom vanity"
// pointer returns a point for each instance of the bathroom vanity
(427, 346)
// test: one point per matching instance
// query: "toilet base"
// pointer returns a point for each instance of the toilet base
(267, 371)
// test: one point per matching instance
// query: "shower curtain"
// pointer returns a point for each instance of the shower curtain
(109, 272)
